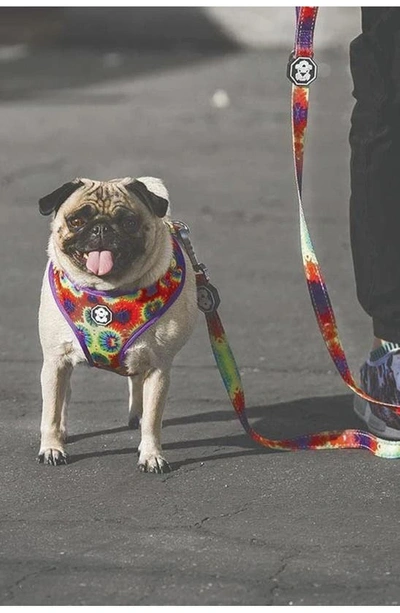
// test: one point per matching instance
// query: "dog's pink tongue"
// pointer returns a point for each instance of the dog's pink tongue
(100, 262)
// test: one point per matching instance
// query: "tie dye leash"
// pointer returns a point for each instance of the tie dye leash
(208, 302)
(302, 71)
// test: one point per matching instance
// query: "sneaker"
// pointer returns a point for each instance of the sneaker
(380, 378)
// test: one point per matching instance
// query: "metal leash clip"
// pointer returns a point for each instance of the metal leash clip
(208, 299)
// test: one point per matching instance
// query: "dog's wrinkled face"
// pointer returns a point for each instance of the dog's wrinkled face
(103, 227)
(105, 232)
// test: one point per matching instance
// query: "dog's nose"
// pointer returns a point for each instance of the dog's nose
(100, 229)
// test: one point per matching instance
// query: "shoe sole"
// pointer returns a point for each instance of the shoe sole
(375, 425)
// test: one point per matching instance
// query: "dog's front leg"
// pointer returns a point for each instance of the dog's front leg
(155, 390)
(135, 383)
(55, 379)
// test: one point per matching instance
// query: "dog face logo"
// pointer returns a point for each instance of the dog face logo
(207, 298)
(302, 71)
(101, 315)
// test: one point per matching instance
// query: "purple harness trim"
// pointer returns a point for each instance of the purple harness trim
(50, 272)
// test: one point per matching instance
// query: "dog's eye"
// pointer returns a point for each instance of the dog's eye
(131, 223)
(76, 222)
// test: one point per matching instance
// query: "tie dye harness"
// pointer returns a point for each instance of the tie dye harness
(106, 324)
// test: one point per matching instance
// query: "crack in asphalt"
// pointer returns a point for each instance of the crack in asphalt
(9, 590)
(275, 577)
(200, 523)
(275, 580)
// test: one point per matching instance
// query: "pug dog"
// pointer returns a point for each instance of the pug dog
(111, 239)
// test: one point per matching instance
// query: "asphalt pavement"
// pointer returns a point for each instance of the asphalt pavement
(232, 524)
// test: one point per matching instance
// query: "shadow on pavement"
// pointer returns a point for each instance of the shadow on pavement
(285, 420)
(143, 28)
(73, 438)
(73, 47)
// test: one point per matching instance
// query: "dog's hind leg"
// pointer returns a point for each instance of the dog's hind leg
(135, 383)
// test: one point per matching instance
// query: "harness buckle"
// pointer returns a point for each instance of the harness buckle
(301, 70)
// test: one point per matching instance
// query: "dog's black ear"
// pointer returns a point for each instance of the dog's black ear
(156, 204)
(52, 202)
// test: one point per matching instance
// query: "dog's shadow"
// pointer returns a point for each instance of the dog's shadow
(278, 421)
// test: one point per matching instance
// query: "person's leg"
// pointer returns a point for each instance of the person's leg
(375, 169)
(375, 207)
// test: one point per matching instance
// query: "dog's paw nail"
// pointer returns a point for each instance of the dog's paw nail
(53, 457)
(164, 466)
(134, 422)
(156, 465)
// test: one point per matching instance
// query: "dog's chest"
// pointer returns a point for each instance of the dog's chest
(108, 327)
(139, 358)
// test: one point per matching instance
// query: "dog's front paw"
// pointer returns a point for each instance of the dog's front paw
(54, 457)
(153, 463)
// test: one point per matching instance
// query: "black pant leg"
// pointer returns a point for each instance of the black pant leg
(375, 168)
